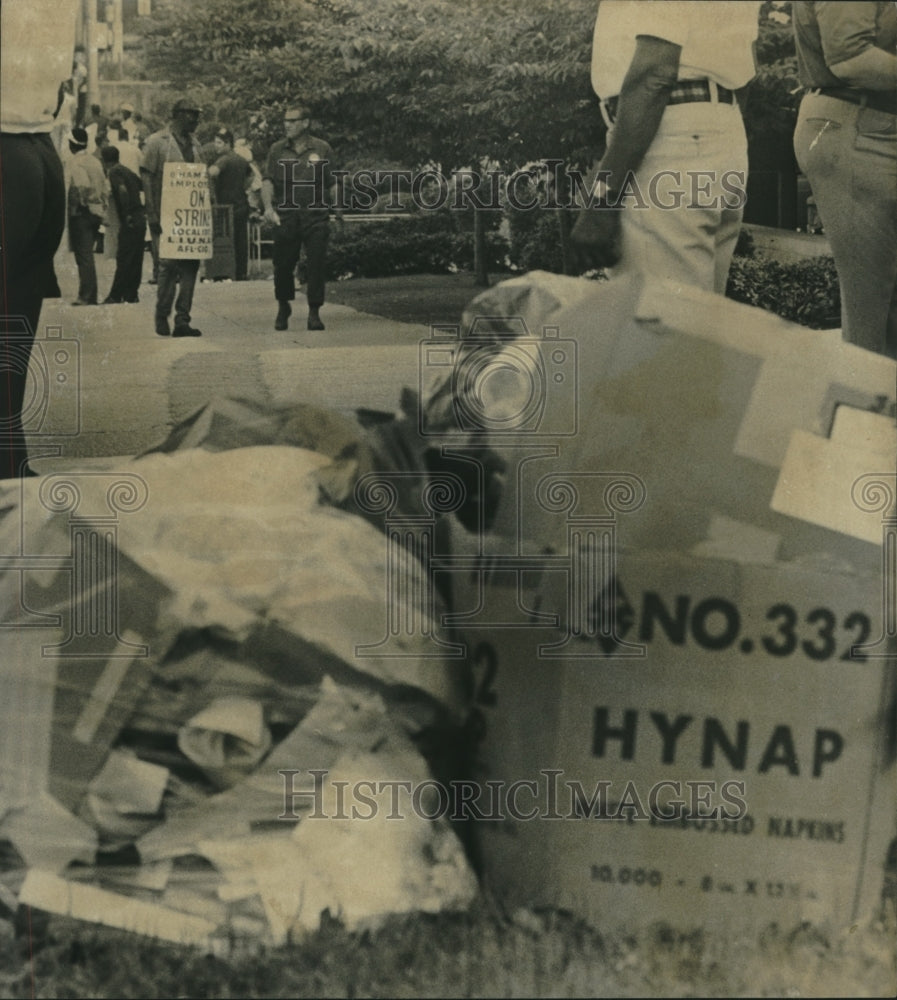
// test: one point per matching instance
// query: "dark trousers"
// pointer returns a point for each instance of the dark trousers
(83, 229)
(176, 277)
(32, 189)
(241, 242)
(128, 263)
(154, 250)
(299, 228)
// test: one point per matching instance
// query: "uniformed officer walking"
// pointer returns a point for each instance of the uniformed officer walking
(297, 193)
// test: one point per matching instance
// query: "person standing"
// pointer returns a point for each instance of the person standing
(87, 208)
(846, 145)
(125, 189)
(232, 179)
(65, 116)
(37, 41)
(126, 122)
(176, 143)
(297, 189)
(671, 185)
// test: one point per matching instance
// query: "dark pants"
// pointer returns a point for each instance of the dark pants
(83, 229)
(154, 250)
(32, 199)
(241, 242)
(176, 276)
(128, 263)
(299, 228)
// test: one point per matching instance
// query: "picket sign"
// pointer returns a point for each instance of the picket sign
(186, 212)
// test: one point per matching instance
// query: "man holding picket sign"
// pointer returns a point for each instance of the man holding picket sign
(179, 213)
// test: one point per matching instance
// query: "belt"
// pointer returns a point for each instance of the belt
(685, 92)
(878, 100)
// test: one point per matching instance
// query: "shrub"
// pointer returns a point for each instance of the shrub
(805, 292)
(429, 243)
(744, 246)
(536, 241)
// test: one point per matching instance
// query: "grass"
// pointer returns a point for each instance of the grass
(475, 954)
(413, 298)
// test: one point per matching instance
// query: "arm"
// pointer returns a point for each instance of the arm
(643, 99)
(873, 69)
(147, 178)
(848, 33)
(122, 199)
(268, 202)
(333, 191)
(149, 200)
(270, 213)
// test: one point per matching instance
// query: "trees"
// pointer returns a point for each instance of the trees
(423, 82)
(456, 83)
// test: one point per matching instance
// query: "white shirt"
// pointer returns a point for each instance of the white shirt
(716, 38)
(37, 46)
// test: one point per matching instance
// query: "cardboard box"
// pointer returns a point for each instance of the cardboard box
(746, 708)
(686, 595)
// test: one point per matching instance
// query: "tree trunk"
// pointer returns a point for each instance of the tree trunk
(565, 226)
(480, 268)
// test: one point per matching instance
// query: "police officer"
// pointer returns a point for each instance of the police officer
(297, 192)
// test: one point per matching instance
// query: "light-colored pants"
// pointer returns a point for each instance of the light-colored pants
(849, 155)
(691, 183)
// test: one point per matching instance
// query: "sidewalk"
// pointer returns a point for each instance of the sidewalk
(115, 388)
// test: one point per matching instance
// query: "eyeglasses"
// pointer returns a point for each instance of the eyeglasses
(289, 121)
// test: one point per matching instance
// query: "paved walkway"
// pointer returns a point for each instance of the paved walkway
(116, 388)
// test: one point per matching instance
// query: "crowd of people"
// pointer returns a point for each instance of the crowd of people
(115, 167)
(667, 76)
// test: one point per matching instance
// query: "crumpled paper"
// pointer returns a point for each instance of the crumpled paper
(231, 624)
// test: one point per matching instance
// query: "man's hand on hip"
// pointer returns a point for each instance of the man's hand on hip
(596, 237)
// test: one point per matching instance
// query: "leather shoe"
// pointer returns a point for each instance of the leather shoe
(186, 331)
(284, 311)
(162, 328)
(314, 320)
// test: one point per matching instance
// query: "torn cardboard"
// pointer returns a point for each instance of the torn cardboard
(685, 582)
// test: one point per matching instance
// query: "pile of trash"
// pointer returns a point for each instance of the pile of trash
(219, 677)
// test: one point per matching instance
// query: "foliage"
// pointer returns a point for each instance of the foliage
(805, 292)
(425, 81)
(771, 99)
(427, 243)
(417, 82)
(744, 246)
(536, 241)
(475, 954)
